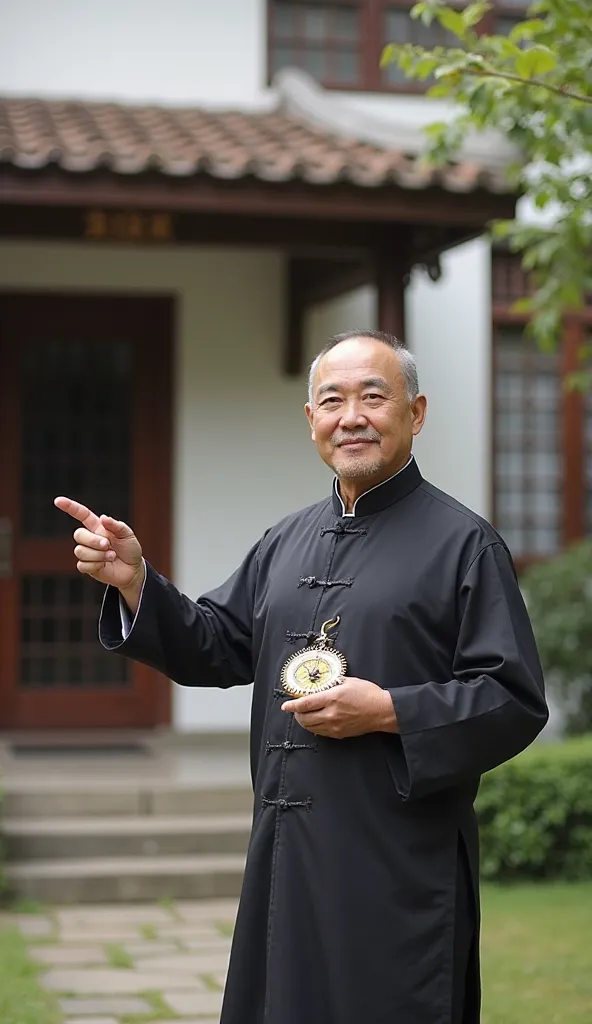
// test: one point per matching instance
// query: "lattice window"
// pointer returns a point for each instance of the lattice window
(399, 27)
(76, 431)
(527, 432)
(59, 646)
(509, 281)
(323, 39)
(588, 450)
(339, 42)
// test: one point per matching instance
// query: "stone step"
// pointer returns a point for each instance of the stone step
(139, 836)
(126, 879)
(66, 798)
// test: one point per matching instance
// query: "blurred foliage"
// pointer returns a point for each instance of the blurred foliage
(535, 814)
(533, 86)
(558, 594)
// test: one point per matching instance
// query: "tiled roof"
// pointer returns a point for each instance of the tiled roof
(270, 146)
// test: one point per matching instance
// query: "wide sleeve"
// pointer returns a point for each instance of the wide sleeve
(452, 732)
(207, 642)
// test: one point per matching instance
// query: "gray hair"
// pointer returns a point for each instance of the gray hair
(407, 361)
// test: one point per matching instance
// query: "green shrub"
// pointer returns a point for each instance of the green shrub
(535, 814)
(558, 595)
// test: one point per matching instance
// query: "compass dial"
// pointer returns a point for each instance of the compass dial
(311, 671)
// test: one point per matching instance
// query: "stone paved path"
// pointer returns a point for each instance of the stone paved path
(164, 963)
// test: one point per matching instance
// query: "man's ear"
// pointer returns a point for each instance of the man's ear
(419, 413)
(309, 416)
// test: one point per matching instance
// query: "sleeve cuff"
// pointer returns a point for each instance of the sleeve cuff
(127, 623)
(115, 620)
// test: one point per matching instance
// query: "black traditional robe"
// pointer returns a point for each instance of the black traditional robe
(351, 910)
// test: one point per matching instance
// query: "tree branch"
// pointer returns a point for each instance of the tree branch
(559, 90)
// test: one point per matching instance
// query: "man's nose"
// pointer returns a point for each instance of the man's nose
(352, 415)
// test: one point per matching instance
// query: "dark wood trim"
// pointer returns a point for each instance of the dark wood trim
(294, 309)
(390, 274)
(338, 202)
(309, 282)
(10, 470)
(148, 322)
(322, 281)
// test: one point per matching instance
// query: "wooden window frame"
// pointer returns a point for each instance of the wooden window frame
(572, 446)
(372, 41)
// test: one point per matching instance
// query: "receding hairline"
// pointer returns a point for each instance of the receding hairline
(367, 382)
(405, 358)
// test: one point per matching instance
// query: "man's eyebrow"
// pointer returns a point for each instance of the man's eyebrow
(368, 382)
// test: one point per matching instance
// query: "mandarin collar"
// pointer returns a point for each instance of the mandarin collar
(377, 498)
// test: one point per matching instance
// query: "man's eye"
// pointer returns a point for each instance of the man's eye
(372, 395)
(330, 401)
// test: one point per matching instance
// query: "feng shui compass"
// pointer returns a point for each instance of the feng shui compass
(317, 667)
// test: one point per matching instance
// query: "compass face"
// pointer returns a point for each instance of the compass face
(311, 671)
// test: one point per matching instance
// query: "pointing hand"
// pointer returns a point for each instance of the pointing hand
(106, 548)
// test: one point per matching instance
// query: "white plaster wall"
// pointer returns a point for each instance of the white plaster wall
(242, 453)
(449, 330)
(356, 309)
(181, 51)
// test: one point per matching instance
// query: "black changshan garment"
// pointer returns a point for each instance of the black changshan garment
(348, 905)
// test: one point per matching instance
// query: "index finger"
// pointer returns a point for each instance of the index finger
(80, 512)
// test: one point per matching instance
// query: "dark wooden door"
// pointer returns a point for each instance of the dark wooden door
(85, 410)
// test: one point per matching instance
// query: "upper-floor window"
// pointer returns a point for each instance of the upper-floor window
(542, 432)
(339, 42)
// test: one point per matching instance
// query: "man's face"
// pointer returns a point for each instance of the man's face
(361, 419)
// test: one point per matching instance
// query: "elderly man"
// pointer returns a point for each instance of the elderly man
(393, 663)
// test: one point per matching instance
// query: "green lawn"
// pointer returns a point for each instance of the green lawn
(537, 954)
(22, 1001)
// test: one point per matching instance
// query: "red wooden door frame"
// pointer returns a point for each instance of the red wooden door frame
(148, 324)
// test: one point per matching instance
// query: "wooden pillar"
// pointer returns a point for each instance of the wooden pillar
(293, 348)
(390, 272)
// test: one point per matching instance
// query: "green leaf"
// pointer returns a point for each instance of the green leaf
(579, 380)
(535, 62)
(453, 21)
(475, 13)
(388, 55)
(527, 30)
(521, 306)
(507, 48)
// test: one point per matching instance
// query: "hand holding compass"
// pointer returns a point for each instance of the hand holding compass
(329, 703)
(316, 668)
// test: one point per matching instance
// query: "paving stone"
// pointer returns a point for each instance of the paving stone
(200, 1003)
(104, 1004)
(203, 910)
(34, 927)
(119, 981)
(144, 948)
(68, 955)
(112, 915)
(86, 936)
(207, 945)
(188, 931)
(190, 963)
(91, 1020)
